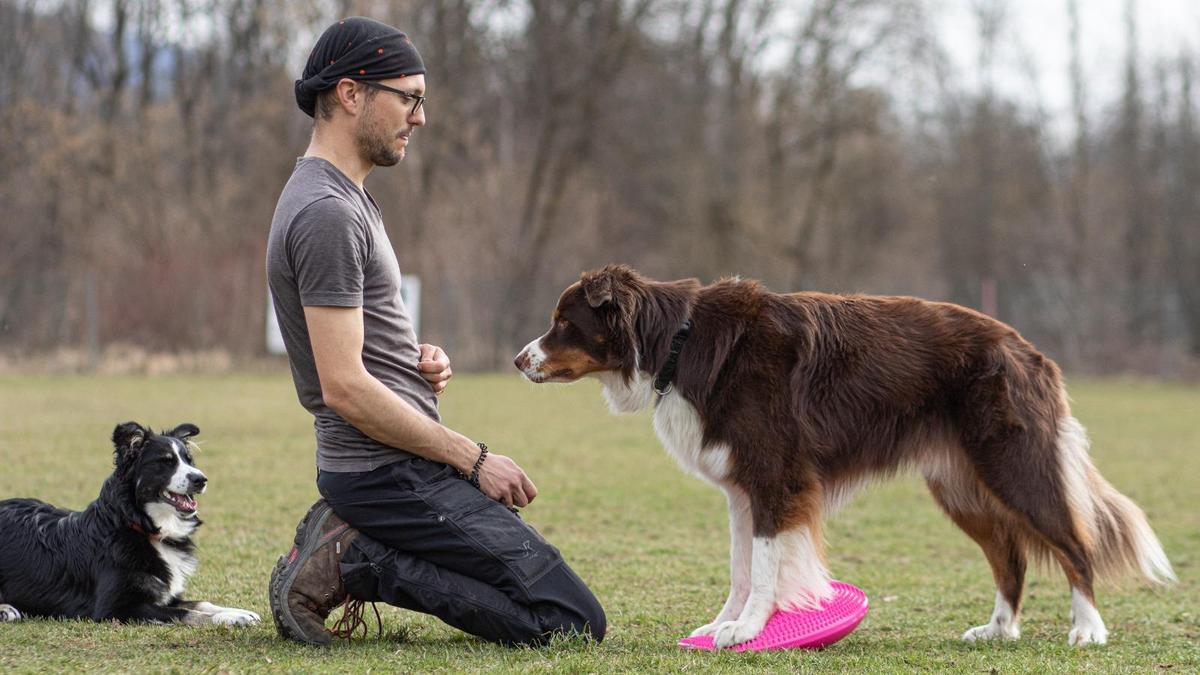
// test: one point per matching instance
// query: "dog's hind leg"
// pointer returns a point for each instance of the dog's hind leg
(9, 613)
(741, 530)
(1028, 452)
(1053, 529)
(1032, 493)
(1040, 470)
(969, 507)
(1113, 530)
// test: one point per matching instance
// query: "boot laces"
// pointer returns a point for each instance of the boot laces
(352, 620)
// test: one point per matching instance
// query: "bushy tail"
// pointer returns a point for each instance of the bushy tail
(1117, 536)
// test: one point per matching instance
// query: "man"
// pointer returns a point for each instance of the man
(413, 513)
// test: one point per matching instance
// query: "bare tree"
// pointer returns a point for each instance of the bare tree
(687, 138)
(581, 47)
(1131, 163)
(1077, 190)
(1183, 211)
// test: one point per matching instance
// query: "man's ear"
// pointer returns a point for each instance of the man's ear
(184, 431)
(348, 93)
(128, 438)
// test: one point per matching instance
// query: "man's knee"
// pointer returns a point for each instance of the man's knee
(589, 615)
(593, 624)
(570, 626)
(575, 611)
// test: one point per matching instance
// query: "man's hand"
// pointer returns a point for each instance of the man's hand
(501, 479)
(435, 367)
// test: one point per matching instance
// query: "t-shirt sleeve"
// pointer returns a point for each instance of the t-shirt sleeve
(329, 249)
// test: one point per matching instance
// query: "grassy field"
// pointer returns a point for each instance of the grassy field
(651, 541)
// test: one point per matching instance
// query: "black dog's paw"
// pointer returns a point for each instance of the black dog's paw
(9, 613)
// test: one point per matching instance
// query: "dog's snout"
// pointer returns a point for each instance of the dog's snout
(521, 361)
(197, 481)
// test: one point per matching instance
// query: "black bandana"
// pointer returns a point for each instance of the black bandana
(360, 49)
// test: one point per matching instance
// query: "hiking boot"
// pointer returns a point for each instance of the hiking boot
(306, 584)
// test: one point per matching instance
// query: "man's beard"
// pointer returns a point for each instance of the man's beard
(376, 143)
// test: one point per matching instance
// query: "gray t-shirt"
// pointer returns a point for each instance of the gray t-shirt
(328, 247)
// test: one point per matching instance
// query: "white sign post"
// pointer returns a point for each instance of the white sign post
(274, 337)
(410, 295)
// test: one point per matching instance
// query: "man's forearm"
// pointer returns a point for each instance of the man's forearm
(379, 413)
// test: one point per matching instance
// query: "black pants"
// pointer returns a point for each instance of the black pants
(431, 542)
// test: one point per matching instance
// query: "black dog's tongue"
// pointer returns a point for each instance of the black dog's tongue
(182, 502)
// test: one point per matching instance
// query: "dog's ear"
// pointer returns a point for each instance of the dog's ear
(128, 438)
(184, 431)
(607, 284)
(598, 288)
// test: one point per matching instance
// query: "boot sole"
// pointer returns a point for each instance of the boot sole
(307, 540)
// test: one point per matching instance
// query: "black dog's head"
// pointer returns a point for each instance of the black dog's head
(157, 470)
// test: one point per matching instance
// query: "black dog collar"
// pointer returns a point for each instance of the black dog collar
(662, 383)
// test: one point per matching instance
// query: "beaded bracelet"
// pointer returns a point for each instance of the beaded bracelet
(473, 478)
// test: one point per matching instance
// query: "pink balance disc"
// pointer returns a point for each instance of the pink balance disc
(804, 629)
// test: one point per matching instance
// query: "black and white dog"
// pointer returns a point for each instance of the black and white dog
(127, 555)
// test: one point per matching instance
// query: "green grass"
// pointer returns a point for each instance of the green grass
(650, 541)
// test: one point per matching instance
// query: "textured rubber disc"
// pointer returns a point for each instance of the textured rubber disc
(836, 618)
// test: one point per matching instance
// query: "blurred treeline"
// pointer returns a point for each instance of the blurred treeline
(813, 144)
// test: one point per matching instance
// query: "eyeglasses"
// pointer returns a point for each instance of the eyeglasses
(408, 96)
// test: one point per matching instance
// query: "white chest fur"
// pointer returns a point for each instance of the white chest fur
(679, 428)
(180, 565)
(675, 421)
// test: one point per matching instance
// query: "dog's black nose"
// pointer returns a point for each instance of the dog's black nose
(198, 481)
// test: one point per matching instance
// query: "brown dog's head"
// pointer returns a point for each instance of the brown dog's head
(591, 330)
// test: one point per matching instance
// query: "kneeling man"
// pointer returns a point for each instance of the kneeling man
(413, 513)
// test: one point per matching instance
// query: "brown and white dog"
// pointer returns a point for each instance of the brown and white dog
(788, 403)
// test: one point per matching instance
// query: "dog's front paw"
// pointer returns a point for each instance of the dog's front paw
(235, 617)
(1087, 635)
(733, 633)
(9, 613)
(991, 631)
(706, 629)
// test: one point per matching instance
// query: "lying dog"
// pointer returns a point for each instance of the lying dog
(788, 403)
(127, 555)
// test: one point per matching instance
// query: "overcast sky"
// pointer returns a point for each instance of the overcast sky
(1039, 30)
